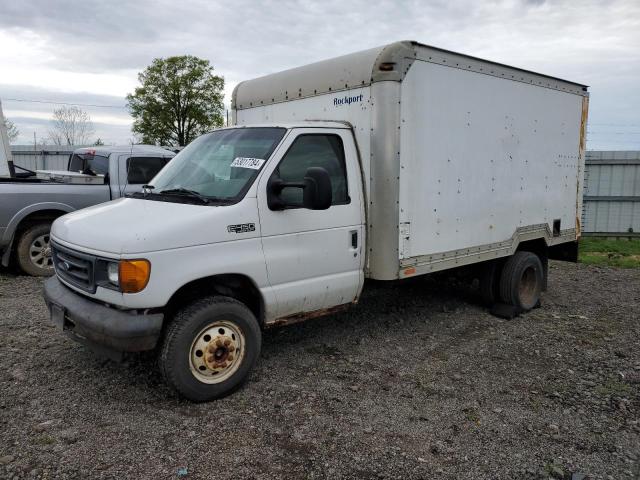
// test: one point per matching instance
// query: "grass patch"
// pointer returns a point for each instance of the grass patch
(472, 415)
(624, 253)
(44, 440)
(614, 388)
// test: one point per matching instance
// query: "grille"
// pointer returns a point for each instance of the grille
(74, 267)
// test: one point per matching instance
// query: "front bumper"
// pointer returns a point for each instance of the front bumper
(103, 328)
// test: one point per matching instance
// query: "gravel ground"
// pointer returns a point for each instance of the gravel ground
(418, 381)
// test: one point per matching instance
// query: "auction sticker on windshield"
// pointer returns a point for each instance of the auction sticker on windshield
(244, 162)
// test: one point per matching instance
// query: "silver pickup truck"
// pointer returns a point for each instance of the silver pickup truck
(30, 204)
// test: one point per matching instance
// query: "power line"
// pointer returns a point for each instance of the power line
(62, 103)
(616, 124)
(612, 133)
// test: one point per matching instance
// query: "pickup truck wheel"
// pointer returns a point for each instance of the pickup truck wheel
(521, 281)
(34, 252)
(210, 348)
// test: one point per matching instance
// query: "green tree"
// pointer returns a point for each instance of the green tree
(12, 130)
(179, 99)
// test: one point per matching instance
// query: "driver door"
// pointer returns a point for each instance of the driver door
(314, 257)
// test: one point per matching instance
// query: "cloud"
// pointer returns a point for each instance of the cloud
(98, 47)
(108, 113)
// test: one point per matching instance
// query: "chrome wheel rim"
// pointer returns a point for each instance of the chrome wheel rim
(40, 252)
(217, 352)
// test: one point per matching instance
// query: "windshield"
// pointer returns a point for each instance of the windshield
(220, 165)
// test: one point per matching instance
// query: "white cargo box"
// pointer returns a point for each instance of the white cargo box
(463, 158)
(5, 151)
(74, 178)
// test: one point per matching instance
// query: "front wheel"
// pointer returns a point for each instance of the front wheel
(210, 348)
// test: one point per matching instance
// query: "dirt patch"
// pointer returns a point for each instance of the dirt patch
(418, 381)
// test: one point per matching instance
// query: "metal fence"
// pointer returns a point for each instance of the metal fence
(611, 206)
(43, 157)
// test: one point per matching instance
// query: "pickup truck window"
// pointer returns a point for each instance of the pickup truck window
(314, 150)
(141, 170)
(86, 163)
(220, 165)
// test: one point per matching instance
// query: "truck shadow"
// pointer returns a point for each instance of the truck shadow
(385, 303)
(404, 308)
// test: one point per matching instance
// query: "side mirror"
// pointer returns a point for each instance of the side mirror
(316, 193)
(317, 189)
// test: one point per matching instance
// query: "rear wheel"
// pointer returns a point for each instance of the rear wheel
(34, 251)
(521, 280)
(489, 278)
(210, 348)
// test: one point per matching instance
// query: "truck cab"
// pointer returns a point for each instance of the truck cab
(269, 218)
(125, 168)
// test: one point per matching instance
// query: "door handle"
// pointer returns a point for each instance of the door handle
(354, 239)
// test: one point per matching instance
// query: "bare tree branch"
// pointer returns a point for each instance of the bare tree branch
(71, 126)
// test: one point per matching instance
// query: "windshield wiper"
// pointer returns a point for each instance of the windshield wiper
(185, 192)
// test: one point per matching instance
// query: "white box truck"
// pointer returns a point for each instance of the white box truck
(385, 164)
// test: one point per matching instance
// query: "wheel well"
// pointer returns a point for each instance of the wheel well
(537, 246)
(236, 286)
(37, 217)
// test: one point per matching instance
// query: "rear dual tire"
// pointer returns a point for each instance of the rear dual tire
(521, 281)
(517, 281)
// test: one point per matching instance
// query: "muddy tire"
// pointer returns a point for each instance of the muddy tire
(521, 281)
(33, 251)
(489, 279)
(210, 348)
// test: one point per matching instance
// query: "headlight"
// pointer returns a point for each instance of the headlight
(133, 275)
(127, 276)
(112, 273)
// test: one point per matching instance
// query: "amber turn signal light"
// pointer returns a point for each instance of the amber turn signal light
(134, 275)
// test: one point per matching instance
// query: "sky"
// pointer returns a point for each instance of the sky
(90, 52)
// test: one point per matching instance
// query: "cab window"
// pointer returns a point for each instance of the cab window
(89, 163)
(141, 170)
(314, 150)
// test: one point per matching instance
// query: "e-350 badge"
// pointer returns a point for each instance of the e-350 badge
(241, 228)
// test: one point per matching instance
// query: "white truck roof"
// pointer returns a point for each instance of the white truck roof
(300, 124)
(375, 65)
(108, 149)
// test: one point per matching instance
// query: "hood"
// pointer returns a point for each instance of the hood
(130, 225)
